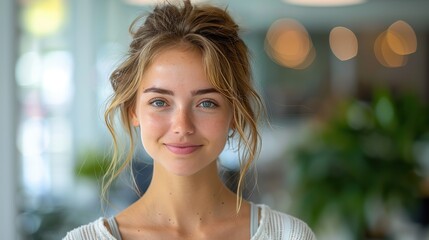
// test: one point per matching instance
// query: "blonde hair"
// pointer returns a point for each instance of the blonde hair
(213, 32)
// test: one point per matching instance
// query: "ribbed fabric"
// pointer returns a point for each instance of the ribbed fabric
(114, 229)
(276, 225)
(254, 218)
(273, 226)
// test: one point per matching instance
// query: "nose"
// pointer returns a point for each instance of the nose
(183, 123)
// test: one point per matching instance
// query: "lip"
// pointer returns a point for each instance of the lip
(182, 149)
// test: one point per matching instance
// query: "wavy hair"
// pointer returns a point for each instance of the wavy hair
(213, 32)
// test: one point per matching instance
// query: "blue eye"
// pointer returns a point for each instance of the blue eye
(208, 104)
(158, 103)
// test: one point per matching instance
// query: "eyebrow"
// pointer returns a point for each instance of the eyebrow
(169, 92)
(158, 90)
(204, 91)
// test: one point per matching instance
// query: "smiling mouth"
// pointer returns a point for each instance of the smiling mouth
(182, 150)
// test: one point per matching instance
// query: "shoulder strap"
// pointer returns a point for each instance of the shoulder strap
(114, 228)
(254, 219)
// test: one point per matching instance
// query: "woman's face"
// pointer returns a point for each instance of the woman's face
(184, 121)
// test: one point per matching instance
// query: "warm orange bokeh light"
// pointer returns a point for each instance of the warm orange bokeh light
(308, 60)
(385, 55)
(343, 43)
(401, 38)
(288, 44)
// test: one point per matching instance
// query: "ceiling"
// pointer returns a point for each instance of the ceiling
(373, 14)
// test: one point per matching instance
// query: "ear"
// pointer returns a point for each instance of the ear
(232, 125)
(231, 130)
(134, 120)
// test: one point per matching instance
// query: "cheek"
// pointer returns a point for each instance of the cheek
(217, 129)
(152, 125)
(151, 120)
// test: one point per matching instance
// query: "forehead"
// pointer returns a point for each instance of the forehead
(177, 56)
(176, 66)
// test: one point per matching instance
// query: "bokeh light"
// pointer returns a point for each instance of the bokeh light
(385, 55)
(289, 44)
(343, 43)
(28, 69)
(44, 17)
(401, 38)
(393, 46)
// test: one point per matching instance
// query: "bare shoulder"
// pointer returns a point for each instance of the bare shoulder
(279, 225)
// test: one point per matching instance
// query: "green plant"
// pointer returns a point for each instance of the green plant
(92, 164)
(363, 154)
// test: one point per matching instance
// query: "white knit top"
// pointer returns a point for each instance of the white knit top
(273, 226)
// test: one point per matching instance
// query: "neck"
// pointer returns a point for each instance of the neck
(188, 200)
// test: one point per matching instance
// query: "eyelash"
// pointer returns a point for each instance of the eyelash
(155, 103)
(212, 104)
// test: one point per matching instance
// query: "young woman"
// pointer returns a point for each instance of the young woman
(185, 89)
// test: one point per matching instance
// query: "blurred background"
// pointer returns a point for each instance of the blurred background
(346, 84)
